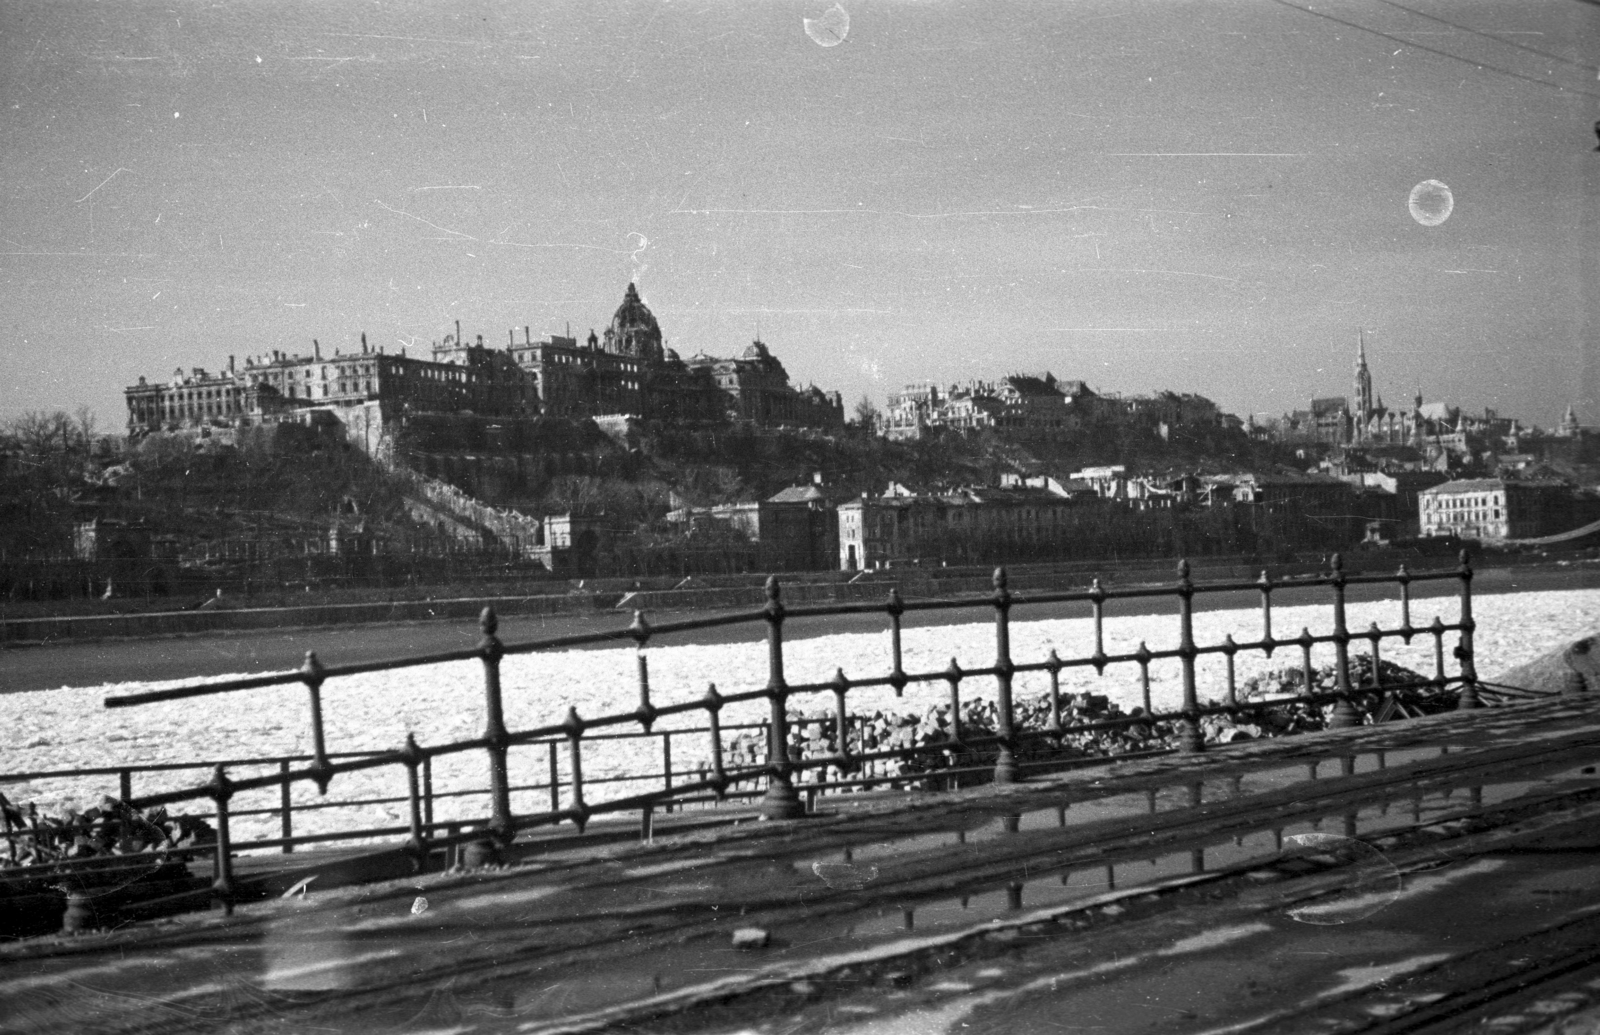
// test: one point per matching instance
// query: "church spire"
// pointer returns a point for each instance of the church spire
(1363, 402)
(1569, 426)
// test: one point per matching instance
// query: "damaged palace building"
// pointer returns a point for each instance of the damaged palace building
(626, 371)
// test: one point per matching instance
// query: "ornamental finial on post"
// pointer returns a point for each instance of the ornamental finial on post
(774, 608)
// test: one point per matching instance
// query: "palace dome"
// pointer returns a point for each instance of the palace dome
(633, 330)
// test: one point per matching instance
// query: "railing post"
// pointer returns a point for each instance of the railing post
(1053, 666)
(1229, 649)
(286, 807)
(952, 676)
(713, 706)
(1097, 603)
(897, 676)
(494, 734)
(427, 792)
(1142, 656)
(1436, 630)
(781, 800)
(841, 722)
(575, 727)
(1403, 577)
(1469, 670)
(311, 675)
(640, 631)
(1268, 642)
(222, 865)
(1189, 738)
(1344, 713)
(1005, 761)
(555, 777)
(417, 844)
(666, 766)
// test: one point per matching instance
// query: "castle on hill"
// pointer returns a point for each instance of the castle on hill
(627, 371)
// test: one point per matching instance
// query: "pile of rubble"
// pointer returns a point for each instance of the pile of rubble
(1283, 711)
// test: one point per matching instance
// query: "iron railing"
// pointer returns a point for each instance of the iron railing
(774, 779)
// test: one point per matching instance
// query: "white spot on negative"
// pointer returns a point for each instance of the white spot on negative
(829, 30)
(1431, 203)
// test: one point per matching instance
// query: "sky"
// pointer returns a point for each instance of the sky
(1205, 197)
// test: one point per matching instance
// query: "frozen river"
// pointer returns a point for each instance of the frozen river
(69, 727)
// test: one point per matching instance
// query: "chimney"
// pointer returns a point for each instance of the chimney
(363, 343)
(230, 363)
(527, 335)
(458, 332)
(316, 349)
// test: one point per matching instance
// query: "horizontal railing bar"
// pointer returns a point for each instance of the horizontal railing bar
(663, 629)
(206, 689)
(738, 618)
(156, 767)
(863, 607)
(1227, 586)
(1437, 575)
(264, 760)
(153, 855)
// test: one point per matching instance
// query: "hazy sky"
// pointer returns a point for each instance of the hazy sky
(1203, 196)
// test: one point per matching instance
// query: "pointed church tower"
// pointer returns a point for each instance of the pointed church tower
(1568, 428)
(1363, 400)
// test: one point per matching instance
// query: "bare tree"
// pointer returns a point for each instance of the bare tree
(42, 434)
(84, 427)
(866, 413)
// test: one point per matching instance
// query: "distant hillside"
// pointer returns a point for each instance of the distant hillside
(661, 466)
(289, 480)
(283, 480)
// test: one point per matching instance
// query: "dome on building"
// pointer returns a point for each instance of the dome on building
(634, 331)
(670, 356)
(757, 350)
(633, 312)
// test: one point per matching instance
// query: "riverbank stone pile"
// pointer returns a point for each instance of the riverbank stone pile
(1271, 705)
